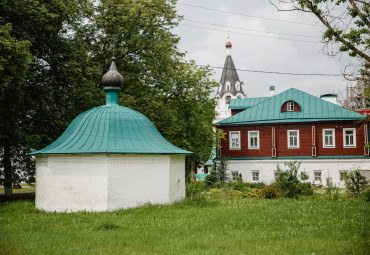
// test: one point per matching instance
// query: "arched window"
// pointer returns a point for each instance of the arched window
(290, 106)
(227, 86)
(237, 86)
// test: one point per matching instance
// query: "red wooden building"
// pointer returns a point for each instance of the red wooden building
(293, 125)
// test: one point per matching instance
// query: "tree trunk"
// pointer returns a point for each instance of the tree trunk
(193, 170)
(8, 171)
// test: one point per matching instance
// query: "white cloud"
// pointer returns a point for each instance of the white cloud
(258, 53)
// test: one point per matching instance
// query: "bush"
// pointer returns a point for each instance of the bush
(211, 178)
(366, 194)
(355, 181)
(235, 193)
(238, 185)
(215, 191)
(305, 189)
(194, 188)
(255, 185)
(288, 182)
(251, 192)
(268, 192)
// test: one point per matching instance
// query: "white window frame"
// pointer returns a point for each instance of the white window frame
(290, 107)
(323, 138)
(258, 175)
(342, 172)
(314, 175)
(354, 138)
(230, 142)
(288, 136)
(249, 140)
(234, 177)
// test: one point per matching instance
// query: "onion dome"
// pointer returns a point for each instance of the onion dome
(111, 128)
(228, 44)
(112, 78)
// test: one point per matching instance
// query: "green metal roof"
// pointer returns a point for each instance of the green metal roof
(312, 109)
(245, 103)
(211, 158)
(111, 129)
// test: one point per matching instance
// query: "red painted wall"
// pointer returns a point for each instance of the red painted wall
(305, 140)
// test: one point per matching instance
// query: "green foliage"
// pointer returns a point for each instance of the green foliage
(305, 189)
(366, 194)
(352, 34)
(250, 192)
(194, 188)
(254, 226)
(288, 183)
(235, 193)
(212, 177)
(355, 181)
(53, 54)
(268, 192)
(222, 168)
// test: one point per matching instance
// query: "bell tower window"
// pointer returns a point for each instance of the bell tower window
(227, 86)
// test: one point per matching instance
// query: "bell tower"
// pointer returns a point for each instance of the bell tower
(230, 86)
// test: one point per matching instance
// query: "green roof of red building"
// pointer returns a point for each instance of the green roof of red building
(311, 109)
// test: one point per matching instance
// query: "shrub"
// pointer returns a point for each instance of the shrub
(355, 181)
(215, 191)
(211, 178)
(216, 185)
(288, 182)
(268, 192)
(222, 170)
(251, 192)
(238, 185)
(366, 194)
(256, 185)
(194, 188)
(305, 189)
(235, 193)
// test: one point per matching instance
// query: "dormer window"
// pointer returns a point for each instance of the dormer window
(290, 107)
(237, 85)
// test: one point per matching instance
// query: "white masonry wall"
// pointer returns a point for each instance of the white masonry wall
(328, 167)
(100, 182)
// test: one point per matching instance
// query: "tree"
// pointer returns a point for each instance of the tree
(43, 64)
(347, 22)
(71, 42)
(14, 60)
(158, 82)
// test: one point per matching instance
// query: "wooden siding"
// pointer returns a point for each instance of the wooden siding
(235, 111)
(274, 140)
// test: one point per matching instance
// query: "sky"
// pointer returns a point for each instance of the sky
(253, 50)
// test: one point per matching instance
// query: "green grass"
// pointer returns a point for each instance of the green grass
(25, 187)
(196, 226)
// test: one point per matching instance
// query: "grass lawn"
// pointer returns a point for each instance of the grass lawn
(25, 187)
(213, 225)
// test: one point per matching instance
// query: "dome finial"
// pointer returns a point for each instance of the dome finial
(228, 43)
(112, 78)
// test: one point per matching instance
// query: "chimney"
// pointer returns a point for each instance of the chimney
(332, 98)
(272, 91)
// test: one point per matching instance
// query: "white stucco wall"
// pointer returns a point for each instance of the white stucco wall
(328, 167)
(99, 182)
